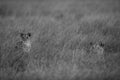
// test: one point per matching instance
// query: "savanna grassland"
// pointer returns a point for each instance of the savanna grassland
(70, 39)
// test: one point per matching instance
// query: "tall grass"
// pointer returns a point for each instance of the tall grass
(65, 42)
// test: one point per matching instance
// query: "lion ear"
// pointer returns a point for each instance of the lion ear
(29, 34)
(21, 35)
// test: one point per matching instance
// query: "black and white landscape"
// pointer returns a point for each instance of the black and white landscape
(59, 39)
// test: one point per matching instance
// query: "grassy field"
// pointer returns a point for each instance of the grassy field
(70, 39)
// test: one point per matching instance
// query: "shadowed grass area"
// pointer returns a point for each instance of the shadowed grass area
(70, 40)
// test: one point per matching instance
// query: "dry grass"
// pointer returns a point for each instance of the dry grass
(66, 38)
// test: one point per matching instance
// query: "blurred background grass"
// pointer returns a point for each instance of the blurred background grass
(64, 33)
